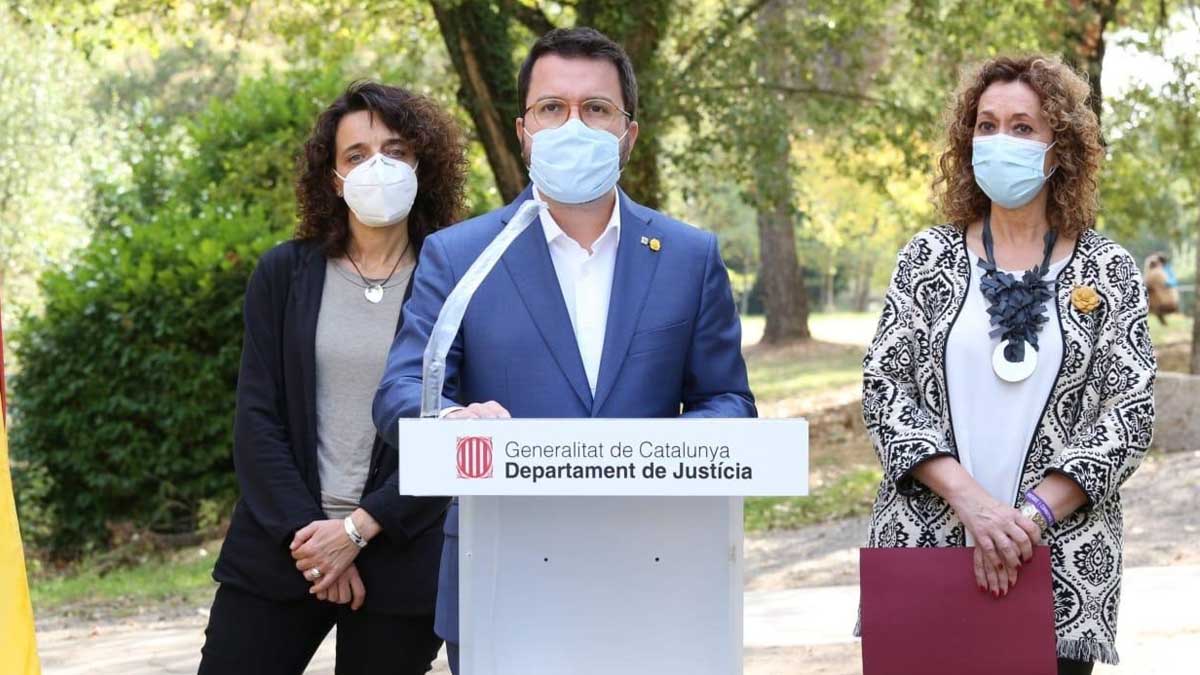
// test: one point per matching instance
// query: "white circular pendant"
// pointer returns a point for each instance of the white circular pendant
(374, 294)
(1014, 372)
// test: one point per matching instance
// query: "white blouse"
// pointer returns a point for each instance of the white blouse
(994, 421)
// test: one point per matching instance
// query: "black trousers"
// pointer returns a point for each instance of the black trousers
(1069, 667)
(256, 636)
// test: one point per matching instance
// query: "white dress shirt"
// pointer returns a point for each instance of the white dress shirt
(586, 280)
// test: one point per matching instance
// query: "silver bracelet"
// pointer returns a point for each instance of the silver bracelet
(352, 532)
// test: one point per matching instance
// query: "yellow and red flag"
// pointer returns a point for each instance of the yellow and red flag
(18, 648)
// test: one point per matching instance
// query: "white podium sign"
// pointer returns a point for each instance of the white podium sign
(601, 546)
(604, 457)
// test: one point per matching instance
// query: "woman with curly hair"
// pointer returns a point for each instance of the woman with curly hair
(320, 521)
(1008, 390)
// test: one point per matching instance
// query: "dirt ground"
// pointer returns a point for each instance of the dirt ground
(1174, 357)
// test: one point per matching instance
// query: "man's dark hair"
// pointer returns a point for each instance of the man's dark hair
(586, 43)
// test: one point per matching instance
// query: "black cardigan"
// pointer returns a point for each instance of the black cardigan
(275, 456)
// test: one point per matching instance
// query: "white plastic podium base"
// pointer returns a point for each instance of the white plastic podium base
(600, 585)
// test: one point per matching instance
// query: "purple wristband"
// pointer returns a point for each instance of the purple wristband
(1042, 507)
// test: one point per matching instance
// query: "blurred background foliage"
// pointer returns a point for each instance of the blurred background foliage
(148, 152)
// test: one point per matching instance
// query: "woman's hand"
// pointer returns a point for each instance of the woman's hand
(348, 588)
(323, 545)
(1003, 538)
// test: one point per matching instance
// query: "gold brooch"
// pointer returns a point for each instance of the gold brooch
(655, 245)
(1085, 299)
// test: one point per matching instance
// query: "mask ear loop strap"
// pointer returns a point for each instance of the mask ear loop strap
(1048, 175)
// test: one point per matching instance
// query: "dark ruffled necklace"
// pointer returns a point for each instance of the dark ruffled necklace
(1017, 308)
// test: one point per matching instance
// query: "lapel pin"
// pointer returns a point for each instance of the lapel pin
(645, 241)
(655, 245)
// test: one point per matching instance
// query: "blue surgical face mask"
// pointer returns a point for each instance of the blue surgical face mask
(574, 164)
(1010, 171)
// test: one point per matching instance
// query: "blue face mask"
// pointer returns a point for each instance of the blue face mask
(1009, 170)
(575, 164)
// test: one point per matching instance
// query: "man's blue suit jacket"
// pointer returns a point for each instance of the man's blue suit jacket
(672, 345)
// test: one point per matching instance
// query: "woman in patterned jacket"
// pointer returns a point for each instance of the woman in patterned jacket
(1009, 389)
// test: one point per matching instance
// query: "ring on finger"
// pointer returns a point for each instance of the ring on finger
(314, 573)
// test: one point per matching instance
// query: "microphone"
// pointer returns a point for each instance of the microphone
(445, 329)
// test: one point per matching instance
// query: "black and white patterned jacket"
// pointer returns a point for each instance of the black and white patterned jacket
(1095, 427)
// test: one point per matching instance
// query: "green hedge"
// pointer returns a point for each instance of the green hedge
(123, 406)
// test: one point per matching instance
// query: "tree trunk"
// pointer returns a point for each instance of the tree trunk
(830, 278)
(477, 39)
(638, 27)
(862, 294)
(1084, 48)
(476, 35)
(1195, 361)
(785, 300)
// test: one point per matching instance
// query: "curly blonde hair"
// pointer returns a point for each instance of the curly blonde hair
(1073, 198)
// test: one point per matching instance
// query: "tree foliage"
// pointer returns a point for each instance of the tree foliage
(123, 404)
(50, 149)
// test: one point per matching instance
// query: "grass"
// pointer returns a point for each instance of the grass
(849, 328)
(815, 379)
(1172, 343)
(833, 360)
(805, 369)
(848, 495)
(184, 575)
(1177, 331)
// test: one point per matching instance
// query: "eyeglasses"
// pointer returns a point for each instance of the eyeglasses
(597, 113)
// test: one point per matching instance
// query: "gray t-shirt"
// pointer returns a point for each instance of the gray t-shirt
(353, 337)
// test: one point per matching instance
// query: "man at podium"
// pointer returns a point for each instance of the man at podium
(607, 309)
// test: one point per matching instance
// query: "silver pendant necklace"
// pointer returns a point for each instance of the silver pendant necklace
(374, 291)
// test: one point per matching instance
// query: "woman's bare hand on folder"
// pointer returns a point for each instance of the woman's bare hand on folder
(1003, 537)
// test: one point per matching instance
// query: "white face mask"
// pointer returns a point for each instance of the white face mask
(380, 191)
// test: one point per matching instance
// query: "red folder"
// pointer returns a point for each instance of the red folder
(923, 613)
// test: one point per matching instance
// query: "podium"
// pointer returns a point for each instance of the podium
(600, 546)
